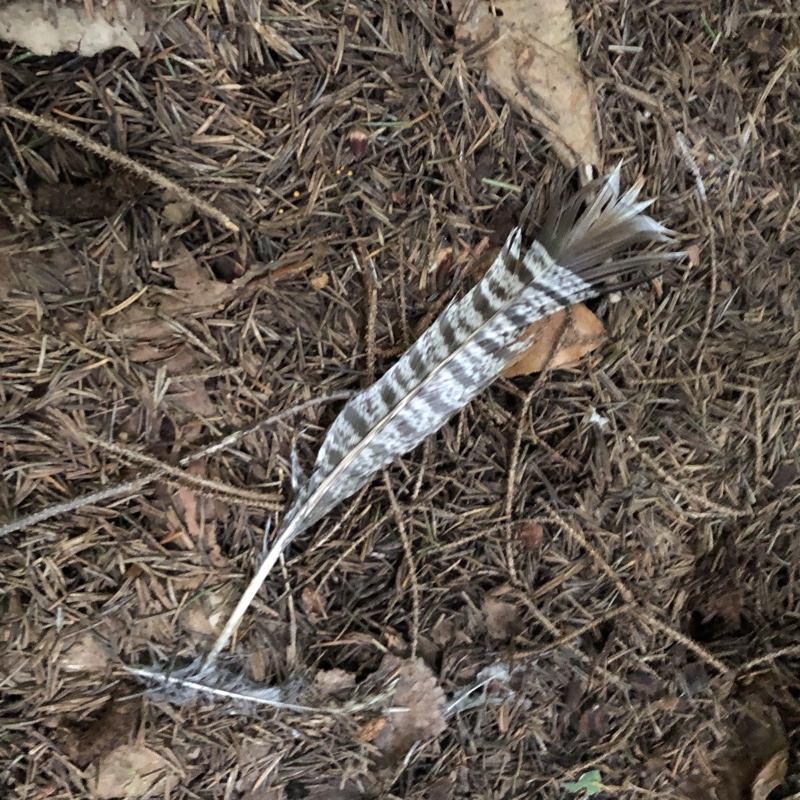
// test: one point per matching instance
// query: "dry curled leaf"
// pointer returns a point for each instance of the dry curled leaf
(178, 212)
(756, 759)
(772, 775)
(531, 533)
(584, 333)
(313, 604)
(370, 729)
(85, 654)
(206, 615)
(113, 727)
(532, 59)
(329, 682)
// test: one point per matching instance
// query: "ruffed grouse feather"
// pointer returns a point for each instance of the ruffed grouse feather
(575, 257)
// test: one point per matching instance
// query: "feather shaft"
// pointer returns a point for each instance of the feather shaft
(575, 258)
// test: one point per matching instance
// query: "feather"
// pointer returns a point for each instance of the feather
(576, 257)
(179, 686)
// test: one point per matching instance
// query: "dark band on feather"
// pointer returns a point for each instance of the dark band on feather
(357, 422)
(388, 393)
(499, 289)
(563, 301)
(448, 333)
(481, 303)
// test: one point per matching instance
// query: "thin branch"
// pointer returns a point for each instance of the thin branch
(635, 606)
(412, 564)
(61, 131)
(132, 486)
(205, 486)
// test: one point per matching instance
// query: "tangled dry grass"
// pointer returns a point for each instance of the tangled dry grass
(638, 574)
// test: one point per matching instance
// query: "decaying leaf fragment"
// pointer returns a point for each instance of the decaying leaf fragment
(502, 619)
(532, 59)
(47, 29)
(133, 771)
(756, 760)
(418, 692)
(771, 775)
(559, 340)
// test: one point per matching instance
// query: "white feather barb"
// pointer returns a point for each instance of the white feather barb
(576, 257)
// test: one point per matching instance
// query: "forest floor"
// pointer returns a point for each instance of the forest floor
(608, 555)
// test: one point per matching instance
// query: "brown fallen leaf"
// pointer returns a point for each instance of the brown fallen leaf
(755, 760)
(313, 605)
(532, 60)
(113, 727)
(417, 691)
(370, 729)
(693, 254)
(194, 287)
(133, 771)
(585, 333)
(502, 619)
(329, 682)
(178, 212)
(320, 281)
(207, 614)
(147, 325)
(190, 396)
(85, 654)
(199, 516)
(49, 28)
(531, 534)
(771, 775)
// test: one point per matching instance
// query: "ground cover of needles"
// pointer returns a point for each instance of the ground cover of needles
(623, 535)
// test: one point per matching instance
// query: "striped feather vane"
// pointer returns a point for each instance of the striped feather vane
(574, 258)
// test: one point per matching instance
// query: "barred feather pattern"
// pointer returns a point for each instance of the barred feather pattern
(574, 258)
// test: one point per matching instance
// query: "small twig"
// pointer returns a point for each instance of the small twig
(129, 487)
(576, 634)
(759, 436)
(603, 565)
(638, 609)
(691, 165)
(237, 436)
(768, 658)
(372, 316)
(61, 131)
(270, 502)
(686, 641)
(688, 493)
(412, 566)
(291, 650)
